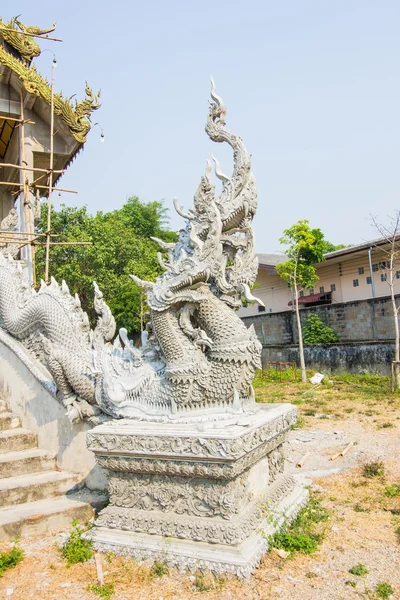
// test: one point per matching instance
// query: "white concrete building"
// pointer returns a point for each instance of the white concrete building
(354, 273)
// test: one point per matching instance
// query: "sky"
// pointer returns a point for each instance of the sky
(312, 87)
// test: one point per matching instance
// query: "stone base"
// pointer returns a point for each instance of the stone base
(196, 496)
(238, 560)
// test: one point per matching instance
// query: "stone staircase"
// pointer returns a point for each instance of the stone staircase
(33, 496)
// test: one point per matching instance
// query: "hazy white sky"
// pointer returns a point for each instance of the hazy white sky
(313, 88)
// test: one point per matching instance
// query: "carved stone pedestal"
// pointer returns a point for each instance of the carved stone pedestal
(203, 495)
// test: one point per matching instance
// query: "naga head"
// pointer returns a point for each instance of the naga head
(217, 245)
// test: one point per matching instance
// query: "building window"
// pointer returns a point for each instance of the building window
(383, 264)
(383, 276)
(375, 267)
(369, 280)
(361, 270)
(321, 289)
(311, 291)
(261, 308)
(355, 282)
(333, 287)
(301, 294)
(397, 274)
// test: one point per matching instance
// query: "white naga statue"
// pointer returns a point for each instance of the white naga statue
(199, 357)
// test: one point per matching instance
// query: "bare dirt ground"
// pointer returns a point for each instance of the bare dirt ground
(364, 516)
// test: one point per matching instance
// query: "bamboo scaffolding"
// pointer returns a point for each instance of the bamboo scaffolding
(17, 120)
(25, 168)
(55, 189)
(62, 243)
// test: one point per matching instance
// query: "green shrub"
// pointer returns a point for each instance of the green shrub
(104, 591)
(10, 559)
(392, 490)
(301, 534)
(77, 549)
(316, 332)
(159, 569)
(360, 570)
(374, 468)
(384, 590)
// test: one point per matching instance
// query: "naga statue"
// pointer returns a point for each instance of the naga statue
(197, 357)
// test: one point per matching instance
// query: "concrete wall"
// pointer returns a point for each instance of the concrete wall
(29, 392)
(347, 357)
(365, 329)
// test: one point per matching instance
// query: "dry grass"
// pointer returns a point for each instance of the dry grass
(362, 528)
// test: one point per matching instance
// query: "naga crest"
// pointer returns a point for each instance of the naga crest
(197, 359)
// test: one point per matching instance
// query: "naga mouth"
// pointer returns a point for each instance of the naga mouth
(190, 280)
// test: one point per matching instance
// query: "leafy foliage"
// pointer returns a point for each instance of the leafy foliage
(306, 247)
(120, 245)
(10, 559)
(302, 534)
(329, 247)
(104, 591)
(77, 549)
(360, 570)
(159, 568)
(384, 590)
(316, 332)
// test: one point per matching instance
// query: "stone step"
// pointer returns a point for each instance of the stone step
(9, 421)
(13, 440)
(35, 486)
(37, 518)
(24, 462)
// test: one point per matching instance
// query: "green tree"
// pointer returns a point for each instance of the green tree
(316, 332)
(329, 247)
(305, 248)
(120, 245)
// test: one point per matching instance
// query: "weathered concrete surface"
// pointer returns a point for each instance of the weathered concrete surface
(30, 394)
(201, 495)
(351, 357)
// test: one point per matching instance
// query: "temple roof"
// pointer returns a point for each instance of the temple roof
(17, 50)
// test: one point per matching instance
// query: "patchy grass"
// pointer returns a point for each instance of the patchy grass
(304, 534)
(392, 490)
(104, 591)
(10, 559)
(159, 569)
(206, 581)
(77, 549)
(384, 590)
(360, 570)
(373, 468)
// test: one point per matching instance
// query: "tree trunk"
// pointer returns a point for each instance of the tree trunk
(300, 334)
(396, 336)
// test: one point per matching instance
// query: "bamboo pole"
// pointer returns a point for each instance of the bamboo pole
(25, 168)
(17, 120)
(62, 243)
(50, 175)
(55, 189)
(302, 461)
(27, 206)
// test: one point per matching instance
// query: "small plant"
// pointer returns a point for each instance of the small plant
(159, 569)
(387, 425)
(310, 413)
(205, 581)
(384, 590)
(351, 583)
(299, 423)
(359, 508)
(301, 535)
(316, 332)
(77, 549)
(360, 570)
(10, 559)
(104, 591)
(374, 468)
(392, 490)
